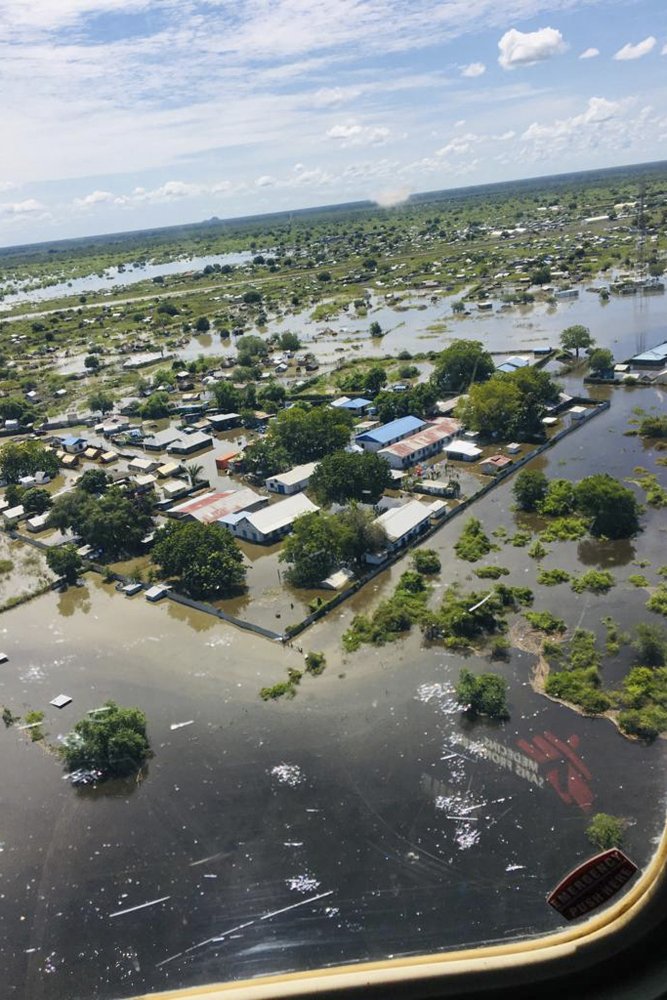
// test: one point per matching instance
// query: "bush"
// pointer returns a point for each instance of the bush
(485, 694)
(551, 577)
(658, 600)
(491, 572)
(278, 690)
(315, 663)
(605, 831)
(113, 742)
(545, 621)
(473, 543)
(595, 581)
(564, 529)
(426, 561)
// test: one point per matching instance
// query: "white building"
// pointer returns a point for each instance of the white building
(270, 524)
(402, 524)
(463, 451)
(418, 447)
(293, 481)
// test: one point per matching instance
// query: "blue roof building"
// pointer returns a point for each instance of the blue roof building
(73, 445)
(396, 430)
(513, 364)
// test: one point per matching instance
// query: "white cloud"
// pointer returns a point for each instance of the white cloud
(28, 207)
(473, 69)
(630, 51)
(589, 53)
(95, 198)
(598, 111)
(265, 181)
(663, 50)
(353, 134)
(459, 145)
(519, 48)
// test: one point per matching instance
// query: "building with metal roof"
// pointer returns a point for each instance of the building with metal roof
(294, 481)
(418, 447)
(270, 524)
(213, 506)
(402, 524)
(387, 434)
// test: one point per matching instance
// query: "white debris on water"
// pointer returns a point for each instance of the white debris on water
(466, 835)
(33, 674)
(514, 868)
(442, 694)
(302, 883)
(288, 774)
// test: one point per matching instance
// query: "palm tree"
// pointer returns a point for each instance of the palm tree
(194, 472)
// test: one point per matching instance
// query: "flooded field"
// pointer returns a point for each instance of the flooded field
(364, 819)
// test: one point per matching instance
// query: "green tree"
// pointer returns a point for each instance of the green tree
(227, 397)
(576, 338)
(359, 535)
(605, 831)
(113, 742)
(343, 476)
(493, 407)
(426, 561)
(204, 558)
(155, 407)
(36, 501)
(311, 549)
(116, 522)
(25, 458)
(601, 362)
(194, 471)
(92, 362)
(417, 401)
(461, 364)
(530, 487)
(289, 341)
(307, 435)
(250, 349)
(93, 481)
(611, 507)
(559, 500)
(203, 324)
(264, 458)
(651, 644)
(485, 694)
(374, 379)
(64, 561)
(100, 401)
(271, 396)
(375, 329)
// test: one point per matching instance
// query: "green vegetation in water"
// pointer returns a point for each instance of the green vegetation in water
(545, 621)
(615, 638)
(605, 831)
(537, 550)
(491, 572)
(473, 543)
(656, 495)
(464, 618)
(33, 718)
(552, 577)
(426, 561)
(113, 742)
(564, 529)
(484, 694)
(521, 538)
(8, 717)
(638, 580)
(597, 581)
(315, 663)
(392, 617)
(644, 703)
(658, 600)
(578, 681)
(653, 426)
(279, 690)
(500, 648)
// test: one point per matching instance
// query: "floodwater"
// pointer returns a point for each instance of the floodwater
(113, 278)
(364, 819)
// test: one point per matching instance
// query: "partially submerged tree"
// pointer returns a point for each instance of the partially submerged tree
(530, 487)
(576, 338)
(112, 742)
(461, 364)
(485, 694)
(65, 562)
(344, 475)
(204, 558)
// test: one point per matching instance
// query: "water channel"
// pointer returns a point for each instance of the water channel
(364, 819)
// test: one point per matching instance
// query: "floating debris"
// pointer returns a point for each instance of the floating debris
(288, 774)
(302, 883)
(141, 906)
(84, 776)
(181, 725)
(3, 657)
(514, 868)
(60, 701)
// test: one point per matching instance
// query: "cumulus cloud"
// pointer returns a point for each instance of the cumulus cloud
(353, 134)
(459, 145)
(630, 51)
(663, 51)
(94, 198)
(519, 48)
(28, 207)
(473, 69)
(589, 53)
(265, 181)
(598, 111)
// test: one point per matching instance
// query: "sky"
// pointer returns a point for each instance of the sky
(128, 114)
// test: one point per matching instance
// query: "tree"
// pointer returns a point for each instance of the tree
(25, 459)
(227, 397)
(307, 435)
(64, 561)
(250, 350)
(93, 481)
(540, 276)
(92, 363)
(375, 329)
(289, 341)
(113, 742)
(203, 324)
(36, 501)
(155, 407)
(204, 558)
(311, 549)
(426, 561)
(651, 645)
(115, 523)
(264, 458)
(601, 362)
(611, 507)
(344, 475)
(559, 500)
(271, 396)
(194, 471)
(492, 408)
(605, 831)
(100, 401)
(576, 338)
(360, 534)
(324, 276)
(461, 364)
(374, 379)
(530, 487)
(418, 401)
(485, 694)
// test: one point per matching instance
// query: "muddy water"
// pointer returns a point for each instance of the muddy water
(364, 819)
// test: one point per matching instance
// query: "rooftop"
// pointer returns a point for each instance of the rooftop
(280, 514)
(215, 505)
(430, 435)
(400, 520)
(296, 475)
(395, 429)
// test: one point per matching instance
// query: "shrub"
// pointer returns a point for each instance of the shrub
(426, 561)
(278, 690)
(605, 831)
(485, 694)
(491, 572)
(596, 581)
(545, 621)
(658, 600)
(473, 543)
(315, 663)
(551, 577)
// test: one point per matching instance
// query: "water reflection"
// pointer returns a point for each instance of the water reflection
(604, 553)
(119, 788)
(73, 599)
(196, 620)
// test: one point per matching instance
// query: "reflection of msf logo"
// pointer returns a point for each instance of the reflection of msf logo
(568, 775)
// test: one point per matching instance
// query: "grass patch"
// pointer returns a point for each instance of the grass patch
(520, 539)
